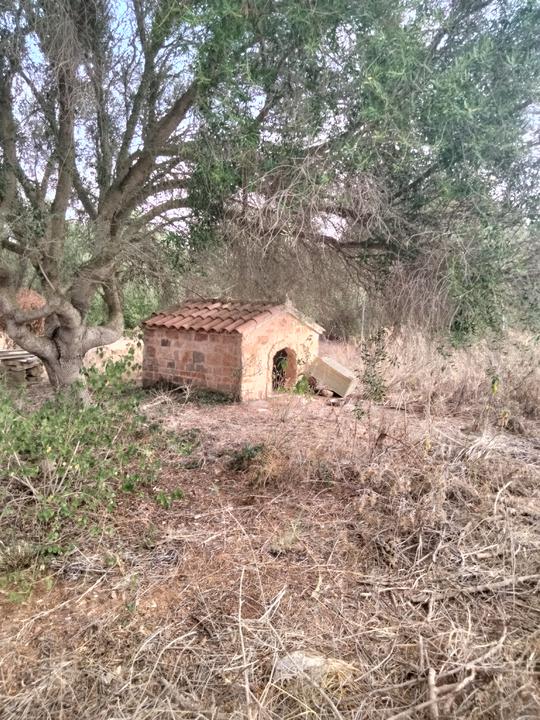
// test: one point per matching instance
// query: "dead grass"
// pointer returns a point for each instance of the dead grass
(494, 381)
(379, 564)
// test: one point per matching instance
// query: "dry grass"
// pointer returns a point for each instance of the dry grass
(325, 563)
(500, 376)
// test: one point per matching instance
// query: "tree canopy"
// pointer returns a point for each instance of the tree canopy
(380, 130)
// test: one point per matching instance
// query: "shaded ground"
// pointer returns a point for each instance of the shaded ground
(404, 545)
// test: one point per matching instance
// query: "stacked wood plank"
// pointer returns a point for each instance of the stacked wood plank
(18, 367)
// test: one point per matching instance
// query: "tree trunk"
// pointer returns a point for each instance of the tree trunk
(64, 372)
(65, 375)
(66, 338)
(64, 366)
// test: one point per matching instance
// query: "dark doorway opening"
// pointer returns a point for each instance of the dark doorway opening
(283, 369)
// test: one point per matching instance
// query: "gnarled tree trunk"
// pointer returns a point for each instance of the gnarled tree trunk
(64, 368)
(66, 338)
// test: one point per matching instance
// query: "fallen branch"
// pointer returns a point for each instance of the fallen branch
(191, 704)
(446, 692)
(433, 694)
(469, 589)
(472, 664)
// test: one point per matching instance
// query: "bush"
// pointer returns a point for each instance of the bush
(375, 358)
(62, 465)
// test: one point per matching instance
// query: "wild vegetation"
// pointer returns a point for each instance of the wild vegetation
(165, 556)
(173, 554)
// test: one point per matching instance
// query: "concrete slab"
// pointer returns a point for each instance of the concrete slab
(331, 374)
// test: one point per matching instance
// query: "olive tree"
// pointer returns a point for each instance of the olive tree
(98, 117)
(364, 128)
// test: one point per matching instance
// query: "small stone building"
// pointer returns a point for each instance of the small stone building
(245, 349)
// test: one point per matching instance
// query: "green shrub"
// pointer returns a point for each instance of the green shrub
(140, 300)
(302, 386)
(242, 459)
(166, 499)
(484, 282)
(62, 465)
(374, 357)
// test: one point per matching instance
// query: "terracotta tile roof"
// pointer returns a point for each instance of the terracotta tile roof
(220, 316)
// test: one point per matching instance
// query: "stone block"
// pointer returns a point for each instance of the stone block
(331, 374)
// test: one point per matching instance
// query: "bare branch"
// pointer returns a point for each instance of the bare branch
(112, 330)
(12, 170)
(163, 186)
(161, 209)
(122, 191)
(84, 195)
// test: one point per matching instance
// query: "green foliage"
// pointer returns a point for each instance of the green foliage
(186, 442)
(374, 357)
(111, 381)
(62, 465)
(210, 186)
(166, 499)
(140, 299)
(302, 386)
(482, 284)
(407, 123)
(242, 459)
(427, 104)
(17, 584)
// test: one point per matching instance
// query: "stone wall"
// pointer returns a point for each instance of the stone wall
(259, 346)
(198, 359)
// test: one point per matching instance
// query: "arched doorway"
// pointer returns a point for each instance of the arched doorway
(284, 369)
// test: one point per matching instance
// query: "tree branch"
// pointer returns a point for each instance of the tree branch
(171, 204)
(120, 193)
(164, 186)
(14, 319)
(112, 330)
(83, 195)
(65, 154)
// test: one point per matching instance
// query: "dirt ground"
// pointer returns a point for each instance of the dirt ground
(399, 545)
